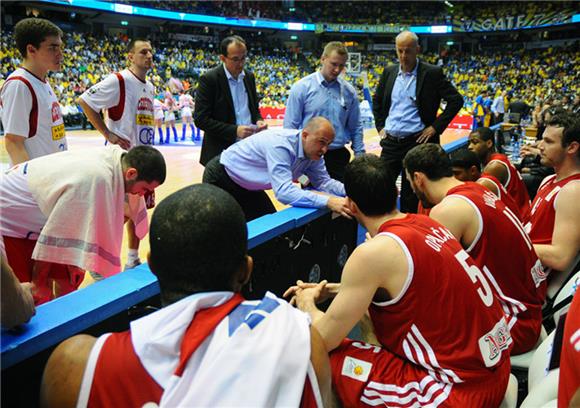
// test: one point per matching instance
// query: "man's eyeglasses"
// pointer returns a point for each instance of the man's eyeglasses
(238, 59)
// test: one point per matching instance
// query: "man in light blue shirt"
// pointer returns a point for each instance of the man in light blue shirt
(324, 93)
(273, 159)
(498, 108)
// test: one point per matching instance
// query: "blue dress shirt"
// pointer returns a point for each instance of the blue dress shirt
(336, 101)
(403, 119)
(240, 98)
(272, 159)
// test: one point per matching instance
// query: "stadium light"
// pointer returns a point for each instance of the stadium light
(450, 43)
(440, 29)
(124, 23)
(293, 37)
(448, 3)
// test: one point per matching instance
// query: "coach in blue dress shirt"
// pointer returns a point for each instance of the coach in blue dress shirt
(405, 108)
(324, 93)
(273, 159)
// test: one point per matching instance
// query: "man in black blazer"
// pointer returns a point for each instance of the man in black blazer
(226, 102)
(405, 108)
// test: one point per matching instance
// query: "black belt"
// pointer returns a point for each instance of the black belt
(401, 139)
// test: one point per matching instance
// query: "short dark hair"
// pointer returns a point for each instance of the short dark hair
(484, 134)
(465, 159)
(430, 159)
(149, 163)
(33, 31)
(369, 183)
(133, 41)
(552, 111)
(198, 240)
(227, 41)
(569, 121)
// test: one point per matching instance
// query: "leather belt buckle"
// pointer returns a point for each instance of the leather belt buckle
(394, 138)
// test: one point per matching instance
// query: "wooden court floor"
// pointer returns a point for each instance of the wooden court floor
(183, 168)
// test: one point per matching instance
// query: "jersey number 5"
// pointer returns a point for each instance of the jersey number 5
(484, 291)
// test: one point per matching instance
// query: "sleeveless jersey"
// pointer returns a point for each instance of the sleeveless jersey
(513, 269)
(30, 109)
(543, 215)
(507, 199)
(129, 104)
(116, 375)
(514, 185)
(426, 323)
(422, 210)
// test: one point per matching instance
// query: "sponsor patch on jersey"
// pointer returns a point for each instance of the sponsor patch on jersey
(144, 120)
(356, 369)
(58, 132)
(55, 112)
(494, 342)
(145, 104)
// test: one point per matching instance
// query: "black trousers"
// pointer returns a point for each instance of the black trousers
(336, 161)
(393, 153)
(253, 203)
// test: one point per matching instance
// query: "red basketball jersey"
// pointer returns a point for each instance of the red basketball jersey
(569, 381)
(504, 252)
(514, 185)
(446, 319)
(422, 210)
(543, 213)
(507, 198)
(119, 379)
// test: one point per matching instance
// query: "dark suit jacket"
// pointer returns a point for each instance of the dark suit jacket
(214, 111)
(432, 86)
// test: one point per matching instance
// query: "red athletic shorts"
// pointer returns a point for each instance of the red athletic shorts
(365, 375)
(67, 278)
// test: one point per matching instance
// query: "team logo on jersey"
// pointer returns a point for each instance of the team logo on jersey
(55, 111)
(356, 369)
(145, 104)
(494, 342)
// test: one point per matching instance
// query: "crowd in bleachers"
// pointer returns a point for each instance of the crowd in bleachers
(406, 13)
(484, 10)
(533, 75)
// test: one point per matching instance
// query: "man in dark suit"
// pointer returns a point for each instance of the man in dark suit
(226, 102)
(405, 108)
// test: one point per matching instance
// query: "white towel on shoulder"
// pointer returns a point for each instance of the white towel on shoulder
(83, 197)
(257, 356)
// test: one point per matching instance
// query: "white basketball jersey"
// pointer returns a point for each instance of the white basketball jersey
(30, 109)
(129, 104)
